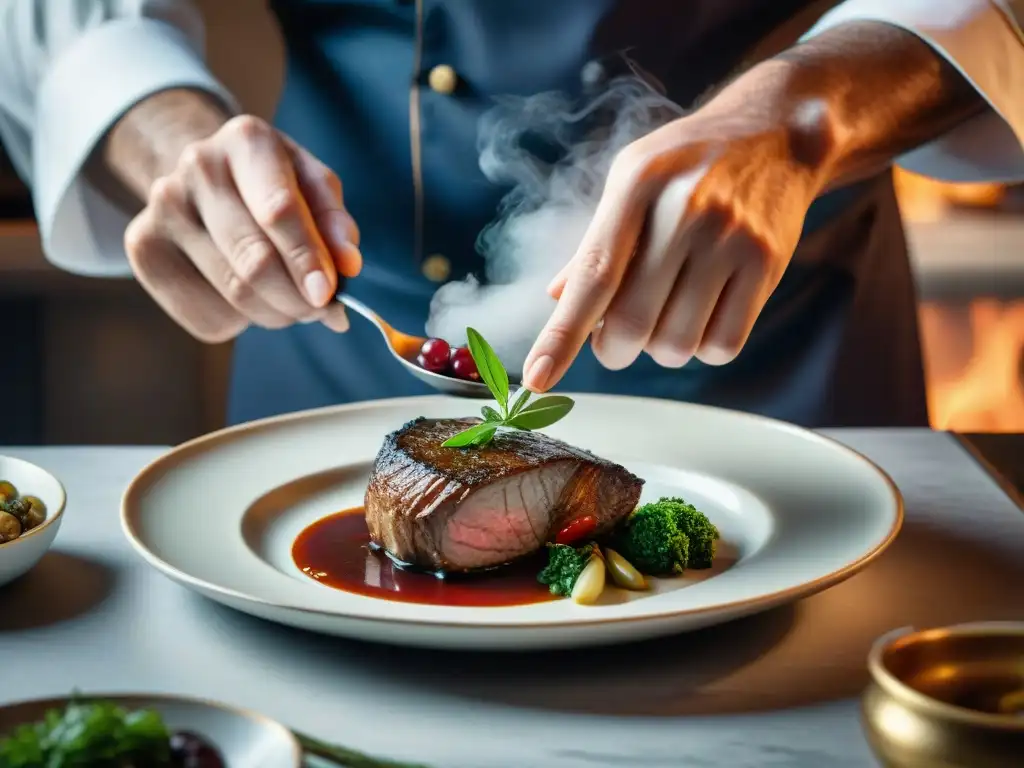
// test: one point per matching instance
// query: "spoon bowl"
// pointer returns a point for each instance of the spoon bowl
(404, 348)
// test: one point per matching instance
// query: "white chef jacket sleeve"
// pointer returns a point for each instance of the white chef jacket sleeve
(68, 71)
(983, 40)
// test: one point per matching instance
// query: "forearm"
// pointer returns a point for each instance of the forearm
(147, 141)
(857, 96)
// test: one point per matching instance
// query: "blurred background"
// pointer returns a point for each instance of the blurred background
(95, 362)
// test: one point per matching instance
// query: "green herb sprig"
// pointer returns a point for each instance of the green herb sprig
(93, 733)
(88, 733)
(521, 414)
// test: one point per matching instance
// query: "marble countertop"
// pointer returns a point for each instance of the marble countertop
(775, 690)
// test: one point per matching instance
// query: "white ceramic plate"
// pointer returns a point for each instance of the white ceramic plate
(17, 557)
(797, 513)
(245, 739)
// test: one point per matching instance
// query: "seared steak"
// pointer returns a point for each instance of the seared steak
(454, 509)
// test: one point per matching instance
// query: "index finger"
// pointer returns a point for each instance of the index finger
(321, 188)
(590, 283)
(263, 172)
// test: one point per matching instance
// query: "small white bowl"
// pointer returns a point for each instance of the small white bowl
(20, 555)
(244, 738)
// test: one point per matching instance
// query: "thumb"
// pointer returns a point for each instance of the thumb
(557, 284)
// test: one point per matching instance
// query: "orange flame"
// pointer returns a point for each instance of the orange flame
(974, 361)
(973, 353)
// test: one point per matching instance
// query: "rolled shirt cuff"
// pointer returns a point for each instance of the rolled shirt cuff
(86, 90)
(984, 42)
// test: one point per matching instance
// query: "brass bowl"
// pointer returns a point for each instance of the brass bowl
(947, 698)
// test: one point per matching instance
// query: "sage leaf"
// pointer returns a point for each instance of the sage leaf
(520, 401)
(489, 366)
(485, 436)
(522, 414)
(479, 434)
(542, 412)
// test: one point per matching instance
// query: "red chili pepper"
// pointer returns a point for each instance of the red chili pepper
(577, 529)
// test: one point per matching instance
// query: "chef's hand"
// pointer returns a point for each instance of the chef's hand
(245, 228)
(697, 222)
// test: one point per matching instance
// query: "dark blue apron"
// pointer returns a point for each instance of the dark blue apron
(837, 344)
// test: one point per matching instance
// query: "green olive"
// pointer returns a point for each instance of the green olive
(32, 518)
(590, 583)
(10, 527)
(7, 491)
(35, 502)
(622, 571)
(17, 507)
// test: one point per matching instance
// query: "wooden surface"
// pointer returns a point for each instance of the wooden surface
(1002, 456)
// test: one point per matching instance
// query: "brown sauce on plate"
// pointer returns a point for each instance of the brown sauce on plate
(337, 552)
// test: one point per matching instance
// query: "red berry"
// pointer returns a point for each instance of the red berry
(434, 355)
(463, 366)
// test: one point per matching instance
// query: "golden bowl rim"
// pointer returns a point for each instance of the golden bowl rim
(928, 704)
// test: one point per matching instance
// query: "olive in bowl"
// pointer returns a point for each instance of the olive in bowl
(31, 507)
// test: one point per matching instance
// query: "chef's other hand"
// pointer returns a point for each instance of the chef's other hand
(248, 228)
(696, 224)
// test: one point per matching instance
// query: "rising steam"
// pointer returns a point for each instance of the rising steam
(555, 153)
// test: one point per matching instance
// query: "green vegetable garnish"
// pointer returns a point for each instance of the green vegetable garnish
(89, 734)
(666, 537)
(539, 414)
(703, 535)
(101, 734)
(565, 564)
(653, 543)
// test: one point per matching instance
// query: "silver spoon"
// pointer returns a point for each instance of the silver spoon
(404, 348)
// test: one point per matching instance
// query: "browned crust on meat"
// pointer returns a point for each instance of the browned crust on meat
(416, 483)
(510, 452)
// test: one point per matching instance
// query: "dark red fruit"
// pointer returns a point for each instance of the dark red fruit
(434, 355)
(189, 750)
(463, 365)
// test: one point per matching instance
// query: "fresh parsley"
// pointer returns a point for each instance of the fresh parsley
(102, 733)
(89, 733)
(520, 414)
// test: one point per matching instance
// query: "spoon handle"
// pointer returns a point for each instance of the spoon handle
(359, 308)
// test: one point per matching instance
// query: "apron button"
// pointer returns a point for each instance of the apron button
(443, 79)
(593, 74)
(436, 268)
